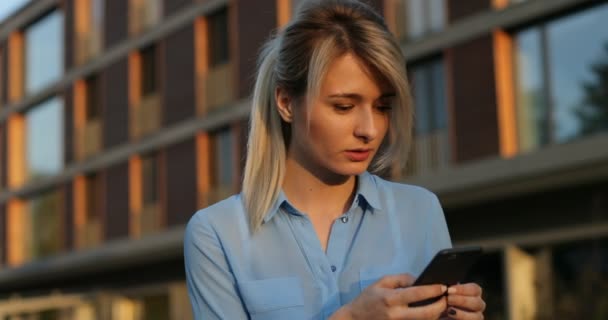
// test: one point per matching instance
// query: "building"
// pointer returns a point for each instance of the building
(119, 119)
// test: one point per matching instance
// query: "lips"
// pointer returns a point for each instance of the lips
(358, 155)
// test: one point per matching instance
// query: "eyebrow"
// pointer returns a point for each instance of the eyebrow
(356, 96)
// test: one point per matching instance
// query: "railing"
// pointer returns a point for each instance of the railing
(216, 88)
(143, 15)
(150, 219)
(87, 46)
(430, 152)
(145, 117)
(89, 235)
(88, 139)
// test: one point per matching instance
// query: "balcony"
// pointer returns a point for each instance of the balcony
(87, 47)
(149, 219)
(145, 117)
(88, 139)
(430, 153)
(216, 88)
(143, 14)
(89, 234)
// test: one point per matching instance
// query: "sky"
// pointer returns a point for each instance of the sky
(9, 6)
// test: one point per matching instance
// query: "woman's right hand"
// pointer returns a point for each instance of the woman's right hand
(389, 297)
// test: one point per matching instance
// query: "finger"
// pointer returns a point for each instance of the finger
(431, 311)
(467, 289)
(459, 314)
(419, 293)
(394, 281)
(467, 302)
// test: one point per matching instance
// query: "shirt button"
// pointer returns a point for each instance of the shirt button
(333, 268)
(344, 219)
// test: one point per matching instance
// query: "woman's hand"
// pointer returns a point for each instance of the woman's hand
(465, 302)
(388, 298)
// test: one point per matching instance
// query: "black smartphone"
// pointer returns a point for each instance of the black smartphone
(448, 267)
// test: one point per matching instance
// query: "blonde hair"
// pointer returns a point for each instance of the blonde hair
(296, 60)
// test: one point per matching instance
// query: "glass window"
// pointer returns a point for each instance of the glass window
(148, 71)
(561, 78)
(45, 139)
(93, 96)
(423, 17)
(44, 52)
(218, 37)
(156, 307)
(45, 224)
(93, 200)
(580, 273)
(223, 157)
(428, 86)
(150, 179)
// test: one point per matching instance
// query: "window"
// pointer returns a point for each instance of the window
(148, 71)
(88, 29)
(561, 79)
(42, 225)
(44, 139)
(223, 157)
(87, 209)
(431, 148)
(92, 197)
(218, 38)
(143, 14)
(156, 307)
(149, 175)
(415, 18)
(44, 52)
(93, 96)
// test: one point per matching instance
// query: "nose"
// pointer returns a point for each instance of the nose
(366, 127)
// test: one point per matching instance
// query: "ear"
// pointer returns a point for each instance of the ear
(284, 104)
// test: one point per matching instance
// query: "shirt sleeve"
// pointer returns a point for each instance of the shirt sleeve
(211, 284)
(438, 236)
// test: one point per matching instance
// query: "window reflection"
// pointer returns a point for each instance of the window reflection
(45, 224)
(562, 87)
(218, 38)
(44, 52)
(44, 135)
(222, 168)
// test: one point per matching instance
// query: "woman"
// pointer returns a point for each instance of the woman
(313, 235)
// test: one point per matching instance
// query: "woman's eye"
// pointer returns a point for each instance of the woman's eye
(343, 107)
(384, 108)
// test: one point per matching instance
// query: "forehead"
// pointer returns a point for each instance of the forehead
(349, 74)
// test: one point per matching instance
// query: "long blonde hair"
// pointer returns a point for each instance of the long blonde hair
(296, 60)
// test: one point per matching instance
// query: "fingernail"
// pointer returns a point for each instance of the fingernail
(443, 289)
(452, 311)
(452, 290)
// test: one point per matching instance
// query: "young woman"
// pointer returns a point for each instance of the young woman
(314, 235)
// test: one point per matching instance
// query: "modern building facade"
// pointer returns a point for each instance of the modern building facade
(120, 118)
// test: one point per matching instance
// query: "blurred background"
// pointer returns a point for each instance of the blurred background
(120, 118)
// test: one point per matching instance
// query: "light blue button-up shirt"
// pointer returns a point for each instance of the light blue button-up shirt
(281, 271)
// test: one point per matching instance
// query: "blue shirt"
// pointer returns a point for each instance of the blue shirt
(281, 271)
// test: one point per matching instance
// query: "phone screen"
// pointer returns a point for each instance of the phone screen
(448, 267)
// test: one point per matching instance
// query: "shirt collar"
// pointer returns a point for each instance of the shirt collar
(367, 190)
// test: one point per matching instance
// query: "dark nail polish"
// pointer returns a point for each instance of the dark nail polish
(452, 311)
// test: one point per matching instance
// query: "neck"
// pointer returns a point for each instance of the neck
(317, 194)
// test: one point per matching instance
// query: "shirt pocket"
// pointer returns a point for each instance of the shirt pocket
(276, 298)
(369, 275)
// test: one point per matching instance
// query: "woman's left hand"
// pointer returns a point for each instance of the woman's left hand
(465, 302)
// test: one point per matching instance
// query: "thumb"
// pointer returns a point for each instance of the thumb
(394, 281)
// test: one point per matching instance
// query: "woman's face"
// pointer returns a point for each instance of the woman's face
(339, 133)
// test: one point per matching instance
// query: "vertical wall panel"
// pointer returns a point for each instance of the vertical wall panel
(115, 104)
(68, 7)
(68, 218)
(256, 20)
(462, 9)
(3, 240)
(115, 22)
(475, 123)
(172, 6)
(3, 74)
(178, 65)
(116, 202)
(180, 182)
(68, 125)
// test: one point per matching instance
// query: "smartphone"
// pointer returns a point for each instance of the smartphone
(448, 267)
